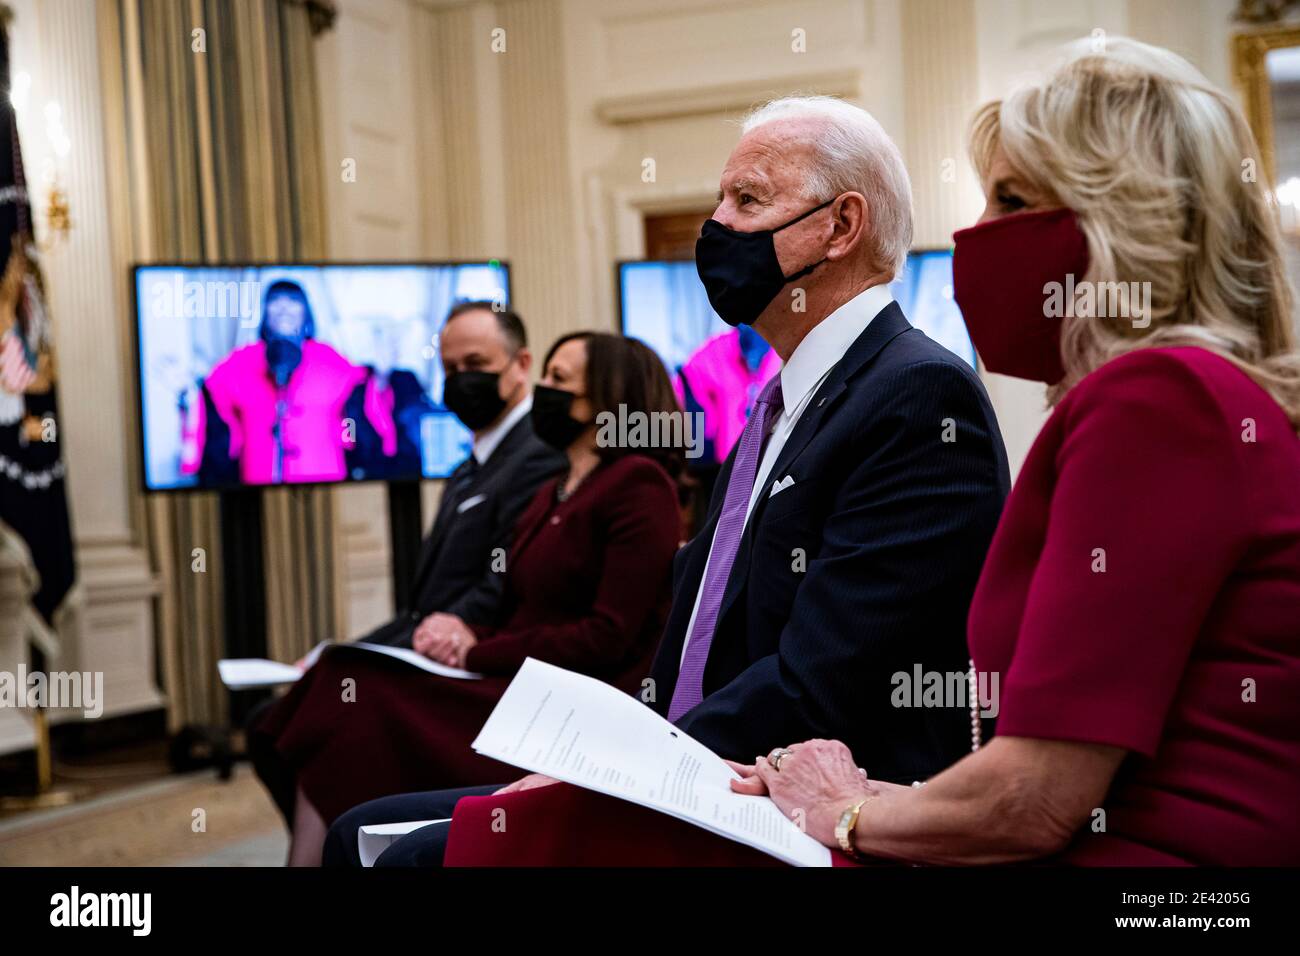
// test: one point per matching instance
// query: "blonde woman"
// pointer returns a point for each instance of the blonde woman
(1141, 598)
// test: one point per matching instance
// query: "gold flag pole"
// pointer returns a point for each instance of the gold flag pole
(46, 795)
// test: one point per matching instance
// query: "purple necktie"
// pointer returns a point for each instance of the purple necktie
(726, 541)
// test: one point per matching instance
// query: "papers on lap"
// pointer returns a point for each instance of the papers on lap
(246, 673)
(375, 839)
(585, 732)
(250, 672)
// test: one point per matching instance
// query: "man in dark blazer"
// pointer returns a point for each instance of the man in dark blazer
(849, 525)
(857, 562)
(486, 361)
(485, 495)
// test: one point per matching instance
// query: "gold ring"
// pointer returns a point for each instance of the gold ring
(776, 756)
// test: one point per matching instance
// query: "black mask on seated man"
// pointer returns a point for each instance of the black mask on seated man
(740, 270)
(474, 397)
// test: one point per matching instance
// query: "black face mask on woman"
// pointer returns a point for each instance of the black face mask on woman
(551, 419)
(474, 397)
(283, 356)
(740, 270)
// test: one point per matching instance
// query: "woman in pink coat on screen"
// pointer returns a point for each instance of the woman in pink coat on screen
(280, 402)
(721, 379)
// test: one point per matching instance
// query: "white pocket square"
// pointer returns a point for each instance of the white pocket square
(470, 503)
(780, 486)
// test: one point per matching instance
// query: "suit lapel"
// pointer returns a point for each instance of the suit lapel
(501, 455)
(819, 406)
(803, 432)
(524, 533)
(886, 326)
(446, 509)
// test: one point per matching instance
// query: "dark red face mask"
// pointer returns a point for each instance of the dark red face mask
(1003, 273)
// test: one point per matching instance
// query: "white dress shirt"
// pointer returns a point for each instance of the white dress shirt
(486, 443)
(801, 376)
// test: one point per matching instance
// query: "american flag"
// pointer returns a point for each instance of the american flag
(15, 374)
(33, 496)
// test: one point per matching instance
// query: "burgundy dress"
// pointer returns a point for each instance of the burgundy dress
(1142, 591)
(588, 587)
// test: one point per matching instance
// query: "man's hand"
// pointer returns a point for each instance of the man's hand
(530, 782)
(444, 638)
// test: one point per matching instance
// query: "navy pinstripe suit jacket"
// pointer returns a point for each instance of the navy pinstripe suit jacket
(862, 569)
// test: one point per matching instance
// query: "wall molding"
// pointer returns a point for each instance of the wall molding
(733, 97)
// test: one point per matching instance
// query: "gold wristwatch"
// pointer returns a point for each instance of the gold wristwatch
(844, 829)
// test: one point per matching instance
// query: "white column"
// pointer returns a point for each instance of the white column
(950, 72)
(539, 205)
(940, 85)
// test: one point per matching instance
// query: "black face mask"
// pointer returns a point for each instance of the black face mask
(474, 397)
(551, 419)
(740, 270)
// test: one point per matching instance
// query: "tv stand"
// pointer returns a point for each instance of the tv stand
(405, 533)
(243, 570)
(243, 573)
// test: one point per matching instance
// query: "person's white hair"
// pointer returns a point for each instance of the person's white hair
(853, 153)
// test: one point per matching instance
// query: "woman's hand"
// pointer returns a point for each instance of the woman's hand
(750, 782)
(530, 782)
(817, 781)
(444, 638)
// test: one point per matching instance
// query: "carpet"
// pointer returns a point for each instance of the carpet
(191, 820)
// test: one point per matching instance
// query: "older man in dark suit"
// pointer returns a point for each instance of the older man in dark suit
(850, 522)
(485, 357)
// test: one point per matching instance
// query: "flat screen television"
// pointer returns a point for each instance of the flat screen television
(298, 373)
(718, 371)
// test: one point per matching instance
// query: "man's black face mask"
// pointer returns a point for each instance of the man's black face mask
(740, 271)
(474, 397)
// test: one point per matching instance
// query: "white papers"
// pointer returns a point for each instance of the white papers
(416, 659)
(246, 673)
(249, 672)
(375, 839)
(585, 732)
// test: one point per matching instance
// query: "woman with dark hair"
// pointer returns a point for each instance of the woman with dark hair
(587, 588)
(589, 378)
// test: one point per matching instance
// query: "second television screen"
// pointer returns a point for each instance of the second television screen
(718, 371)
(282, 374)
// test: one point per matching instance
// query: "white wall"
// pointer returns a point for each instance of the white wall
(667, 81)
